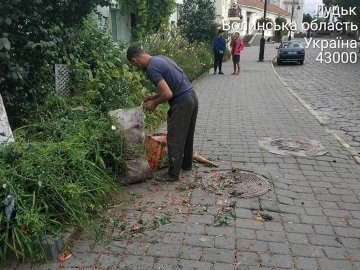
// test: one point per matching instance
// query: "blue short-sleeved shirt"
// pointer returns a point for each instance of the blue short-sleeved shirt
(163, 68)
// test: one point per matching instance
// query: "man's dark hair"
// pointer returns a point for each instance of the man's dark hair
(220, 31)
(134, 51)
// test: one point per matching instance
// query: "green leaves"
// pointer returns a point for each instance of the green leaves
(197, 20)
(151, 15)
(35, 35)
(5, 43)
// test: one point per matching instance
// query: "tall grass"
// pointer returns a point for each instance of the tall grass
(62, 167)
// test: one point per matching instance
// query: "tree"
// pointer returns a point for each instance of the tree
(280, 21)
(34, 35)
(307, 18)
(346, 4)
(329, 3)
(151, 15)
(197, 20)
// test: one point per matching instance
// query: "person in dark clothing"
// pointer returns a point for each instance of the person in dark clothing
(176, 89)
(219, 48)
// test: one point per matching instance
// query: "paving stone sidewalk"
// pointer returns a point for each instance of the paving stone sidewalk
(332, 90)
(314, 202)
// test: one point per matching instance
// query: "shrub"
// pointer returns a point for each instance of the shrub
(197, 20)
(151, 15)
(62, 167)
(101, 74)
(59, 171)
(194, 59)
(280, 21)
(33, 37)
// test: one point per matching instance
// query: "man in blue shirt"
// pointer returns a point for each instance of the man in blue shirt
(175, 88)
(219, 48)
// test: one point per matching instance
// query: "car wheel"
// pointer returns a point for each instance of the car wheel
(279, 62)
(301, 62)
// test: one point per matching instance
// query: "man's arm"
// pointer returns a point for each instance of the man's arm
(151, 97)
(164, 96)
(165, 93)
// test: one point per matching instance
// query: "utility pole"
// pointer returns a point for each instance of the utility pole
(262, 41)
(293, 4)
(292, 16)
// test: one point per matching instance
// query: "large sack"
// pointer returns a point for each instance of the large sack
(138, 171)
(130, 122)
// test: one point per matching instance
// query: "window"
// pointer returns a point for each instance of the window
(291, 45)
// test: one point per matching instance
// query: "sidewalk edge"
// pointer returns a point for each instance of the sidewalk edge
(322, 122)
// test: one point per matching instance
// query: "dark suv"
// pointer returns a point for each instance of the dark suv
(291, 51)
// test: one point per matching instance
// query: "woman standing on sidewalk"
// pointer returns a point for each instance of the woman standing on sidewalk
(237, 45)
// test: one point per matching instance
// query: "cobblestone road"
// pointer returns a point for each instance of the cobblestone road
(314, 202)
(332, 90)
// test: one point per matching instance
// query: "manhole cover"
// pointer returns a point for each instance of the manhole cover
(236, 183)
(295, 147)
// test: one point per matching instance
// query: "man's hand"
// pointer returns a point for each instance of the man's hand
(151, 97)
(151, 102)
(150, 105)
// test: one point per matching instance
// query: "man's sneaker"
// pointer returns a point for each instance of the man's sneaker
(221, 73)
(214, 72)
(187, 169)
(166, 178)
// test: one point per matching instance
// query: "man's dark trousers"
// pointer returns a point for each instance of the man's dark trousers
(218, 59)
(180, 137)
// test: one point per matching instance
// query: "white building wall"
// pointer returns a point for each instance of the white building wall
(119, 24)
(221, 9)
(250, 16)
(298, 13)
(174, 18)
(298, 17)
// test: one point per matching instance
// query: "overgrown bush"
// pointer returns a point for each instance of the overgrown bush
(280, 21)
(33, 37)
(194, 59)
(197, 20)
(62, 167)
(101, 73)
(151, 15)
(59, 171)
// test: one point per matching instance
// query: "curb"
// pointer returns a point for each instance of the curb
(50, 245)
(322, 122)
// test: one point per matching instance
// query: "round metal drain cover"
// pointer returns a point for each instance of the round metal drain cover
(236, 183)
(294, 147)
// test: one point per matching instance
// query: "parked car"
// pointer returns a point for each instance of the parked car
(291, 51)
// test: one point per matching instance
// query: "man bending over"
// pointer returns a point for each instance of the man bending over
(175, 88)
